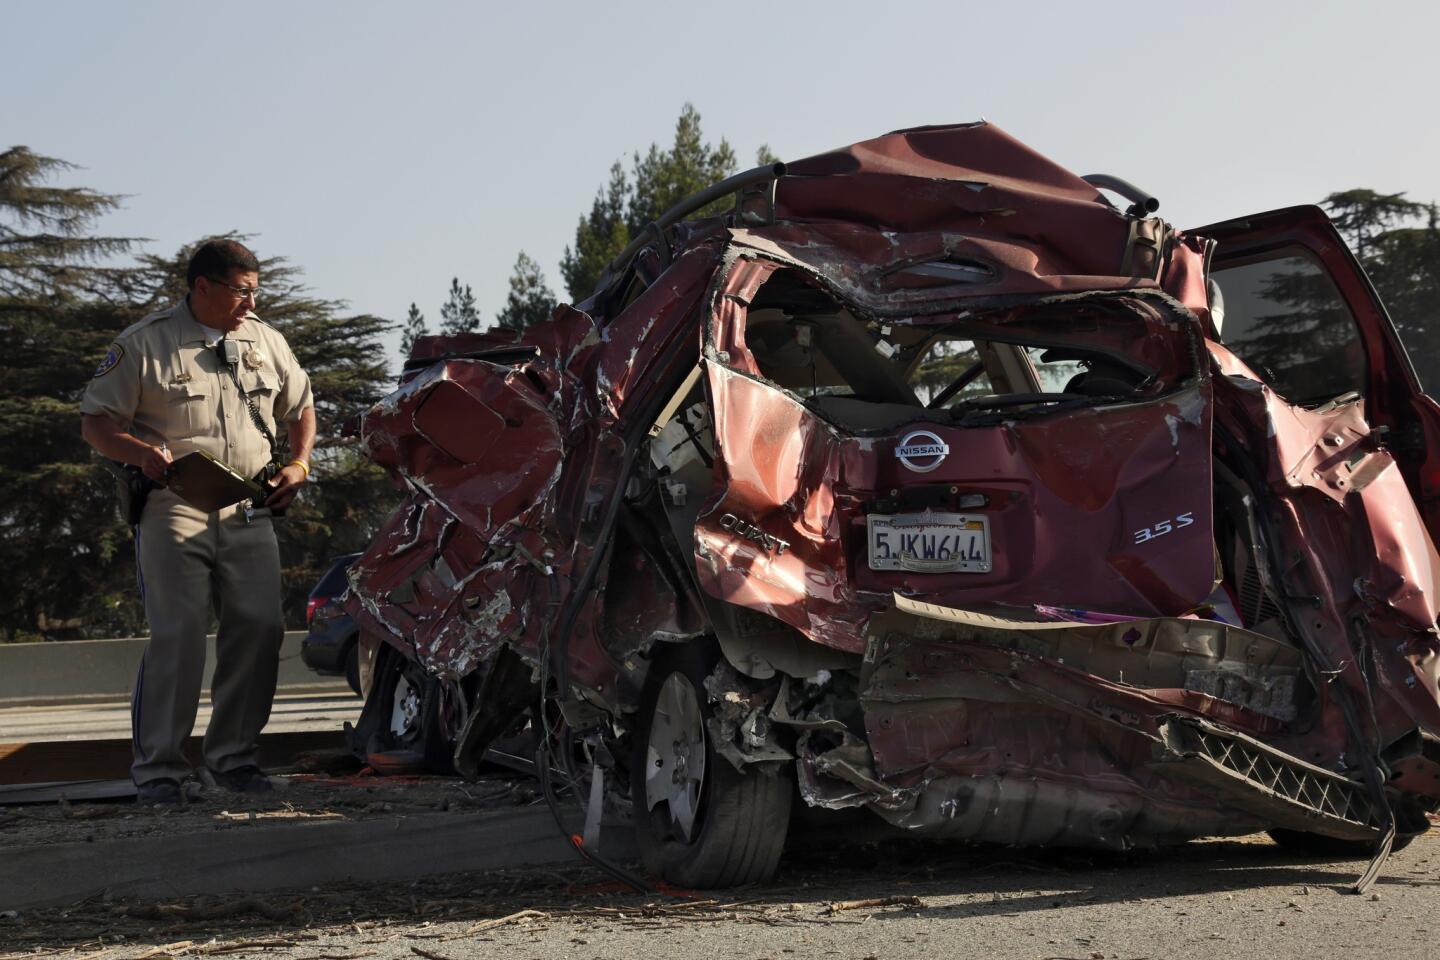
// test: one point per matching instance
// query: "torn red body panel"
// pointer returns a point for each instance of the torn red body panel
(929, 481)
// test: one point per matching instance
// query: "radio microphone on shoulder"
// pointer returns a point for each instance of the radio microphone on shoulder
(228, 351)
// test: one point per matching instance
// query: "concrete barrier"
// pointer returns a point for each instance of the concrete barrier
(78, 670)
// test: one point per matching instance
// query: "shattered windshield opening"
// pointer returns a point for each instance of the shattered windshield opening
(1030, 360)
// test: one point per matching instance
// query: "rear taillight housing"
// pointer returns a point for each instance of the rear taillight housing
(315, 604)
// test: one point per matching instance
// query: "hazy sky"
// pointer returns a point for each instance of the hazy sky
(386, 147)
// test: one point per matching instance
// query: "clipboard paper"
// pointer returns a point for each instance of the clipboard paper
(208, 483)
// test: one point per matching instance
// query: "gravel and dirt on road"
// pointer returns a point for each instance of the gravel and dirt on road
(868, 901)
(324, 787)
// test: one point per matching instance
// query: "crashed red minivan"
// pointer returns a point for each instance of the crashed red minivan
(929, 480)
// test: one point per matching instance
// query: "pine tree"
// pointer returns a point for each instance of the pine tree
(1361, 215)
(414, 329)
(657, 181)
(60, 257)
(662, 178)
(1398, 242)
(530, 299)
(458, 314)
(599, 237)
(60, 304)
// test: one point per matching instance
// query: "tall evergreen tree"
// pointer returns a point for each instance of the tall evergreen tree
(414, 329)
(1362, 215)
(458, 314)
(1398, 242)
(662, 178)
(60, 304)
(530, 299)
(599, 237)
(657, 181)
(46, 248)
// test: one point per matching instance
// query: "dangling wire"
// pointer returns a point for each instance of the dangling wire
(544, 766)
(1375, 772)
(550, 737)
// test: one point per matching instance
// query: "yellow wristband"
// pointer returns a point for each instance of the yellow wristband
(301, 464)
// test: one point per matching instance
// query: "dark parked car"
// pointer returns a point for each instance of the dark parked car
(929, 481)
(331, 646)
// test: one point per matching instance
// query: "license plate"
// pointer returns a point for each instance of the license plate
(929, 542)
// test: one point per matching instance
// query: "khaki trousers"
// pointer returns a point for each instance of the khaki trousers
(190, 563)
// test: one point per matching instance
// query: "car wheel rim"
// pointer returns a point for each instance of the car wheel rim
(675, 755)
(406, 710)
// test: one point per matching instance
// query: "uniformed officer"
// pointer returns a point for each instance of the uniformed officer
(163, 390)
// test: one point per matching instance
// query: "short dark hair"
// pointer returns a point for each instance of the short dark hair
(216, 258)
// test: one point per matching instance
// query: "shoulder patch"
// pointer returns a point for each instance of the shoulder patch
(111, 361)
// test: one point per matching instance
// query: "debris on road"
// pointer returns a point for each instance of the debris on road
(306, 798)
(911, 903)
(941, 884)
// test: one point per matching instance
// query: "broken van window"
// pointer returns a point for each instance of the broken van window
(868, 373)
(1283, 316)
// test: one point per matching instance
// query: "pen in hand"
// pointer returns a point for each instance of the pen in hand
(156, 465)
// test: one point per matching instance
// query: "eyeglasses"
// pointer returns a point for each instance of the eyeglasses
(241, 292)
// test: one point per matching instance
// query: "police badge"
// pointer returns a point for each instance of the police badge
(254, 359)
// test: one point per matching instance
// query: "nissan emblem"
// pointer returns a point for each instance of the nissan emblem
(922, 451)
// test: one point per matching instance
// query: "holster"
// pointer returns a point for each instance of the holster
(132, 489)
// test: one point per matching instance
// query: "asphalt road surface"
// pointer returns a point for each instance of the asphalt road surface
(1209, 899)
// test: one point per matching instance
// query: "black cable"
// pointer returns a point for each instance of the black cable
(249, 402)
(577, 842)
(544, 758)
(1378, 772)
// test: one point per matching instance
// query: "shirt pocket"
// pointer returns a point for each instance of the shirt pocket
(260, 388)
(189, 410)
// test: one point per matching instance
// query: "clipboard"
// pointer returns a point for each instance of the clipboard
(208, 483)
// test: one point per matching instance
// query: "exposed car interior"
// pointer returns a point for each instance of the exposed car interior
(870, 374)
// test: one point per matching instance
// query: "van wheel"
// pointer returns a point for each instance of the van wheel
(408, 729)
(699, 822)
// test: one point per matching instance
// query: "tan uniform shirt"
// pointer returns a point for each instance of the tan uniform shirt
(163, 382)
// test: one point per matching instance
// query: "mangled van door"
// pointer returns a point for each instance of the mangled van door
(1104, 506)
(1300, 312)
(478, 442)
(513, 458)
